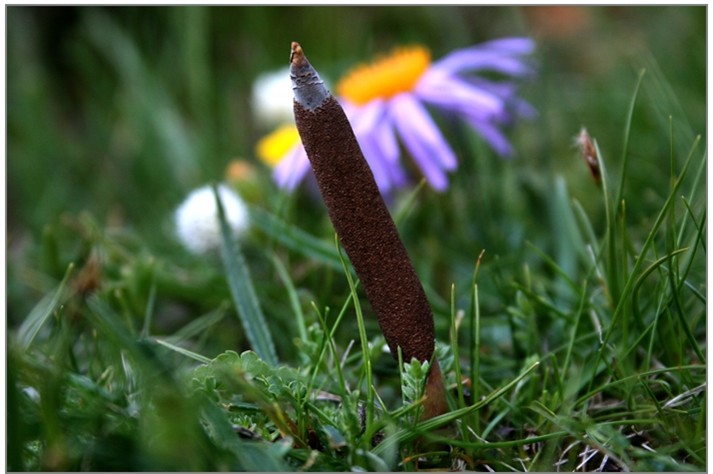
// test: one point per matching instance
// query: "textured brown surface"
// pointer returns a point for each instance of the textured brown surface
(366, 229)
(435, 391)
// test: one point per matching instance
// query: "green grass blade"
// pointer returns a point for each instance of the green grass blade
(182, 351)
(612, 383)
(42, 312)
(612, 267)
(351, 411)
(455, 346)
(628, 287)
(680, 313)
(585, 224)
(294, 238)
(243, 291)
(613, 208)
(292, 295)
(474, 318)
(437, 422)
(575, 327)
(642, 278)
(404, 209)
(150, 307)
(199, 325)
(695, 186)
(328, 341)
(107, 321)
(362, 337)
(627, 134)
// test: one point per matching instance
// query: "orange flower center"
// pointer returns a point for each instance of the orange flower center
(385, 77)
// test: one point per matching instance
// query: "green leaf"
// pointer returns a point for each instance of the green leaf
(243, 291)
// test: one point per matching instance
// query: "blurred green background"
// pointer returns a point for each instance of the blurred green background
(115, 113)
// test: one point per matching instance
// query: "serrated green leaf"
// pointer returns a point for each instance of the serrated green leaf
(414, 379)
(252, 456)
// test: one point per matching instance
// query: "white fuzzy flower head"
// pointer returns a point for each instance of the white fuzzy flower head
(196, 219)
(272, 98)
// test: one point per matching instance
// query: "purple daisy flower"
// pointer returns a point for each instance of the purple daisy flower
(389, 101)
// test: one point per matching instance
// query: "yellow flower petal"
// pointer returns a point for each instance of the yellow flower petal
(385, 77)
(272, 148)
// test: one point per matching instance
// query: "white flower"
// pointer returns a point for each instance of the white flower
(196, 219)
(272, 98)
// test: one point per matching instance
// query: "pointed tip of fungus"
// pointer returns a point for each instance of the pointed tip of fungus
(307, 85)
(297, 56)
(298, 60)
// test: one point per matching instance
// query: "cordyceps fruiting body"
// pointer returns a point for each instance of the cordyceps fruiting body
(364, 225)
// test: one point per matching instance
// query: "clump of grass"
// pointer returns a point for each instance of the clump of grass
(600, 385)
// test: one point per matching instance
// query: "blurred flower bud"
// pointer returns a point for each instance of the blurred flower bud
(589, 153)
(196, 219)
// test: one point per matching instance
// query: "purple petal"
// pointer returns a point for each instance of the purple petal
(506, 91)
(377, 139)
(364, 122)
(414, 115)
(382, 137)
(462, 61)
(502, 89)
(422, 139)
(292, 168)
(376, 163)
(497, 55)
(365, 117)
(455, 94)
(385, 135)
(373, 119)
(513, 45)
(524, 109)
(493, 136)
(397, 174)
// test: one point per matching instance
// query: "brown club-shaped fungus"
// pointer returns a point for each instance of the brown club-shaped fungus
(364, 226)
